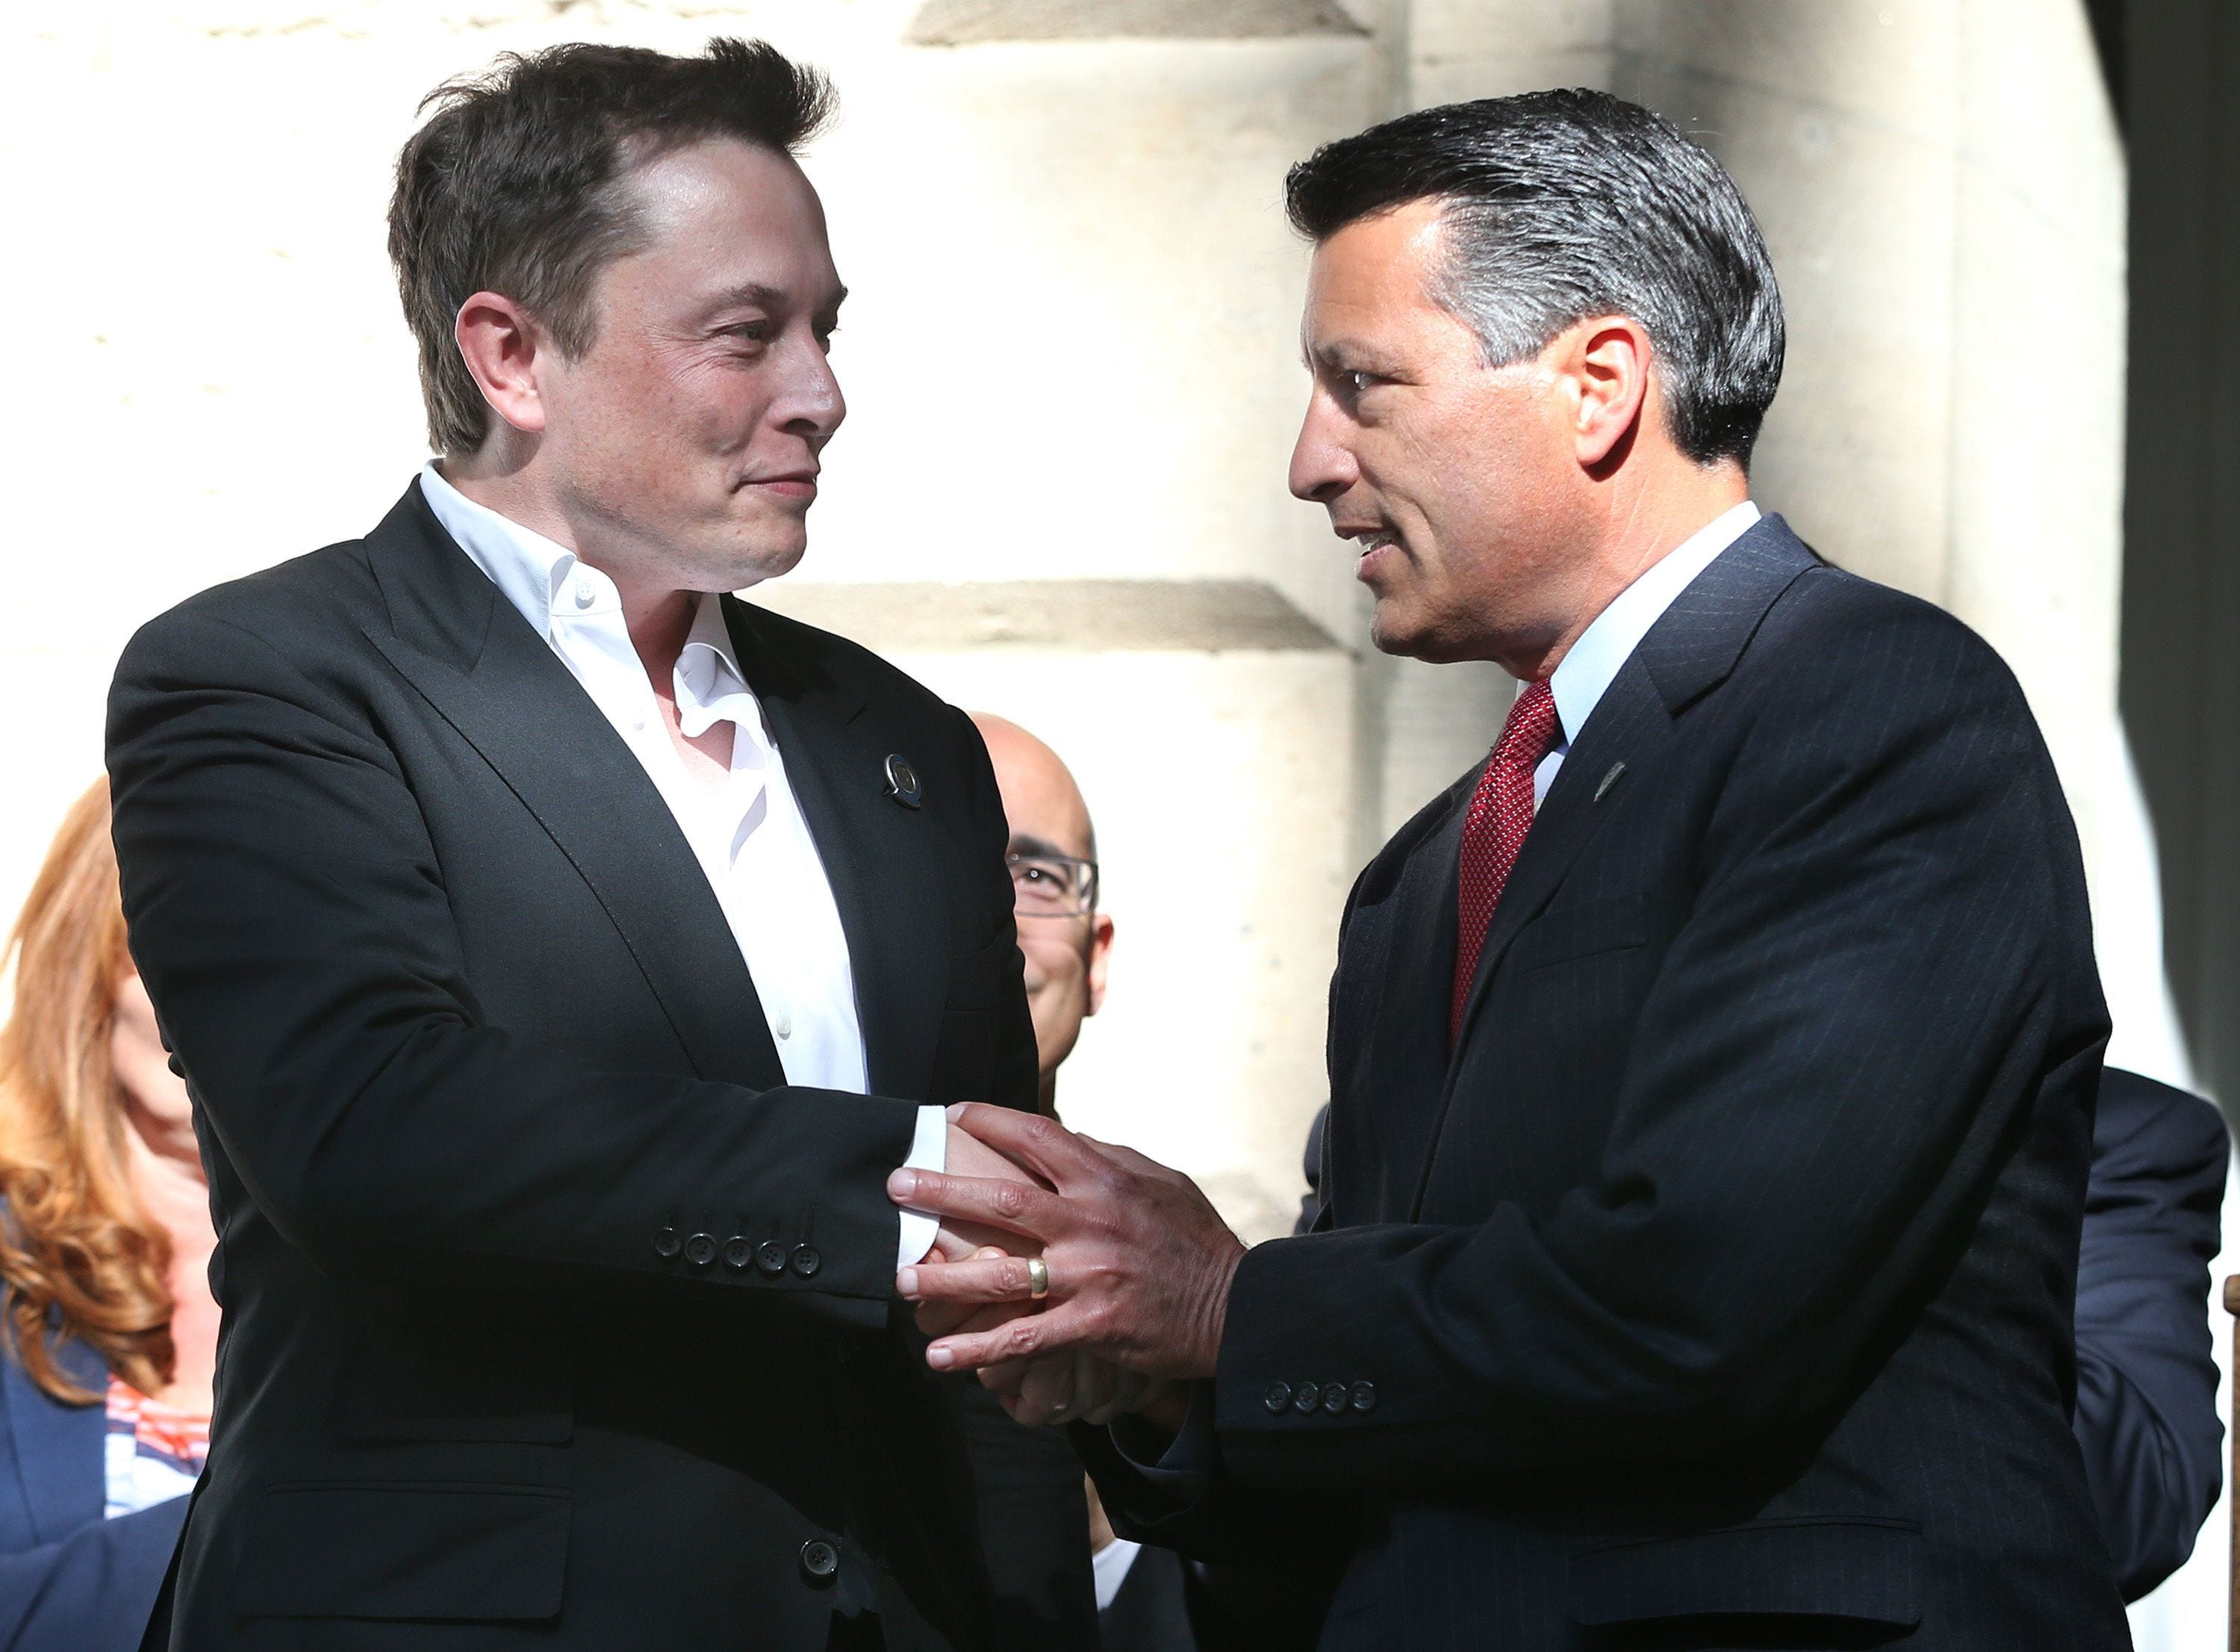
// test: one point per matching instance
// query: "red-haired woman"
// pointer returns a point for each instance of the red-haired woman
(111, 1334)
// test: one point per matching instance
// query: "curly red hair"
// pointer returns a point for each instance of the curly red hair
(78, 1254)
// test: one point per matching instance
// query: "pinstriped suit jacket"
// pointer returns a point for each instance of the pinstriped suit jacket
(1714, 1290)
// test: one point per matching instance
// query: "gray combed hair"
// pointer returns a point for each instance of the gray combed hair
(1562, 206)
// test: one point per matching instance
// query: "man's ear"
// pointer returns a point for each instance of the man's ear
(1604, 364)
(1100, 952)
(503, 348)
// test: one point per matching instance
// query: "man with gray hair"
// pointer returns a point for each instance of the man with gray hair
(1711, 1071)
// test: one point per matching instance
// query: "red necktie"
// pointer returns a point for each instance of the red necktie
(1500, 815)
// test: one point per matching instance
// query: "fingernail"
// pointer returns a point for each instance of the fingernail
(906, 1281)
(940, 1356)
(955, 1111)
(902, 1184)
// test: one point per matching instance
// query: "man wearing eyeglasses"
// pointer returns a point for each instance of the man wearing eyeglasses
(1143, 1596)
(1065, 938)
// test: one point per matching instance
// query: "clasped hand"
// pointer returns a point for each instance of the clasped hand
(1139, 1269)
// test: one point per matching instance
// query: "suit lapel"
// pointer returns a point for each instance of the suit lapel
(1414, 967)
(1630, 725)
(882, 860)
(1690, 651)
(499, 685)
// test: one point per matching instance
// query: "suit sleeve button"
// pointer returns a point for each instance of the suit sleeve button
(819, 1561)
(738, 1252)
(1334, 1399)
(667, 1243)
(1306, 1397)
(700, 1249)
(769, 1258)
(1278, 1396)
(805, 1261)
(1365, 1397)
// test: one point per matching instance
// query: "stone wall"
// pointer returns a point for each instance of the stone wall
(1070, 356)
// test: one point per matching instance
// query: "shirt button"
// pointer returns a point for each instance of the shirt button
(819, 1561)
(784, 1026)
(584, 595)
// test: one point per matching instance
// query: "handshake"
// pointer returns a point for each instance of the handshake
(1079, 1279)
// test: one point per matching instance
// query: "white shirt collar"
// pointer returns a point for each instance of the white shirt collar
(1586, 672)
(710, 686)
(530, 570)
(550, 586)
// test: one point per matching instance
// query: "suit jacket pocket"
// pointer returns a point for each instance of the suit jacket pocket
(1861, 1568)
(1579, 932)
(404, 1549)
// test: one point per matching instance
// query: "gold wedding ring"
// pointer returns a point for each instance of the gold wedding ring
(1037, 1279)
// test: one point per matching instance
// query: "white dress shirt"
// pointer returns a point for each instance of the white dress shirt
(1585, 673)
(749, 834)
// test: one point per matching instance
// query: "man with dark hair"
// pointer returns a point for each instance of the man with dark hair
(561, 954)
(1711, 1072)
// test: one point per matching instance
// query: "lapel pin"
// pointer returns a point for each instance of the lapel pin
(901, 781)
(1609, 780)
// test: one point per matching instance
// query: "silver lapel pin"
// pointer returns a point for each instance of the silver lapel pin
(901, 781)
(1609, 780)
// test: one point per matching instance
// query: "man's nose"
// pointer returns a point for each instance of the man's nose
(1322, 465)
(812, 405)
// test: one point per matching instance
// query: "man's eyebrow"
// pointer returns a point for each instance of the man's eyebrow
(1039, 848)
(1341, 354)
(760, 296)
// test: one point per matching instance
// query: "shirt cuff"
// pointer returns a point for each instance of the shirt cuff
(928, 1151)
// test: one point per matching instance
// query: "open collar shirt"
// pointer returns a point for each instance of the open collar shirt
(748, 835)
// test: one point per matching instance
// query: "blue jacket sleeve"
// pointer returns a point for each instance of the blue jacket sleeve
(2146, 1383)
(92, 1591)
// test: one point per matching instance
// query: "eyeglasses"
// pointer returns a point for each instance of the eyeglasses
(1052, 886)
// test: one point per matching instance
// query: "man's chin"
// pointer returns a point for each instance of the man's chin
(1392, 631)
(771, 558)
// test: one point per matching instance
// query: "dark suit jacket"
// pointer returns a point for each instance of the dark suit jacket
(1715, 1291)
(552, 1314)
(2146, 1377)
(71, 1581)
(2146, 1380)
